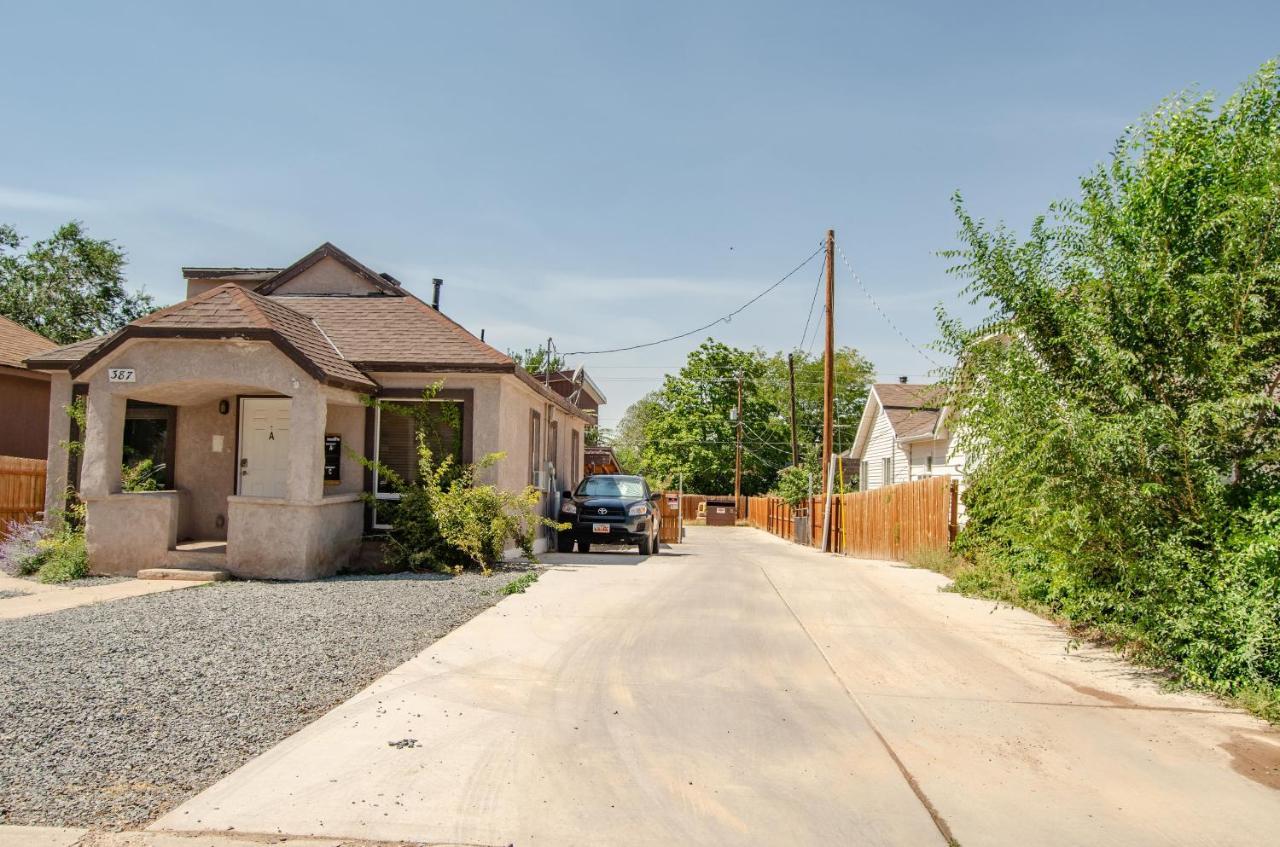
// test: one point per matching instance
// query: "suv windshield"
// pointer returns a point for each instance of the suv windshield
(629, 487)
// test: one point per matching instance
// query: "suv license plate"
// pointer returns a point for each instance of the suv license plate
(600, 527)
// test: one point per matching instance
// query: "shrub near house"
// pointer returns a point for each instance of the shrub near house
(1119, 405)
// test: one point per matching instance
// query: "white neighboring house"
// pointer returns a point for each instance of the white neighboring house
(903, 436)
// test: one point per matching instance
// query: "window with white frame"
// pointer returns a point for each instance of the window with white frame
(535, 446)
(864, 475)
(396, 439)
(886, 470)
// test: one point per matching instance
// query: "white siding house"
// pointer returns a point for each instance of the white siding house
(902, 436)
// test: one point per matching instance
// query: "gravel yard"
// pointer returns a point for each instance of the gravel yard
(112, 714)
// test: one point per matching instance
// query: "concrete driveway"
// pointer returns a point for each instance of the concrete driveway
(740, 690)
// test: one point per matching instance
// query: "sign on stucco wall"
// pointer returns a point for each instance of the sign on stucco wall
(332, 459)
(121, 375)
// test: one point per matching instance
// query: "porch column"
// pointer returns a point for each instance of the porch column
(55, 485)
(308, 414)
(103, 444)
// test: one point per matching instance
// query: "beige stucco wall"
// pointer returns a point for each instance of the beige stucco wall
(125, 533)
(347, 421)
(208, 476)
(307, 541)
(502, 403)
(306, 533)
(327, 276)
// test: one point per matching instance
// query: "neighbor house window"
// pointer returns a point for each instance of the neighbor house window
(396, 441)
(886, 471)
(864, 476)
(535, 446)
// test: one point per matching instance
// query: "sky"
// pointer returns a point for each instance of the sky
(602, 174)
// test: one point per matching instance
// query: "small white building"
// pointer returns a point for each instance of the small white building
(903, 436)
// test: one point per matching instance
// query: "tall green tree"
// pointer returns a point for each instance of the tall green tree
(1120, 404)
(67, 287)
(688, 427)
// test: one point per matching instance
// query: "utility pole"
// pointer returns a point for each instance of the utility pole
(546, 366)
(829, 365)
(795, 446)
(737, 458)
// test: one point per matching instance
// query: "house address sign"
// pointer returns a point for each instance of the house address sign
(121, 375)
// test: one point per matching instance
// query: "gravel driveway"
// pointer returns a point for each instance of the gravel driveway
(112, 714)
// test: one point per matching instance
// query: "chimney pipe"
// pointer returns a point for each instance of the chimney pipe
(435, 297)
(901, 379)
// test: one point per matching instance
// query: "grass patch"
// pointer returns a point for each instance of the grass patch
(520, 583)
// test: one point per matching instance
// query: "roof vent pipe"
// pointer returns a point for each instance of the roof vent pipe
(901, 379)
(435, 296)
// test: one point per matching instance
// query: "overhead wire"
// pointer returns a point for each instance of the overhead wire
(882, 312)
(721, 319)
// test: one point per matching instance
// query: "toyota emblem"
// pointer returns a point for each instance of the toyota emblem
(602, 511)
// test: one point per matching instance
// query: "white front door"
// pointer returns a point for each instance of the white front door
(264, 446)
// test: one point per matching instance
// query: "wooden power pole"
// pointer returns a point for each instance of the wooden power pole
(795, 445)
(737, 462)
(829, 366)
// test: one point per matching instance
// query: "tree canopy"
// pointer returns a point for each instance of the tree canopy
(688, 427)
(68, 287)
(1120, 403)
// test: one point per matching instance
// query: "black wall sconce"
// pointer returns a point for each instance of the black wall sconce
(224, 406)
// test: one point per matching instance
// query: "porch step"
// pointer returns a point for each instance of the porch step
(191, 558)
(191, 574)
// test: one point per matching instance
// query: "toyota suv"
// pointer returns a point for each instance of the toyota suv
(609, 509)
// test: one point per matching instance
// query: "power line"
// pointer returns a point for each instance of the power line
(813, 302)
(887, 319)
(721, 319)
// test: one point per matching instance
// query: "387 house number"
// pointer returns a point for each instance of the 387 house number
(121, 375)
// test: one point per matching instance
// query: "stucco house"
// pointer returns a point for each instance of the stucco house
(24, 393)
(903, 436)
(248, 397)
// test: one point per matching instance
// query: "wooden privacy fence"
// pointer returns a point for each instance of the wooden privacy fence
(21, 489)
(888, 523)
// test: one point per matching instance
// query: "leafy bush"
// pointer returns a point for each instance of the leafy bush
(1120, 406)
(443, 519)
(20, 551)
(140, 476)
(64, 558)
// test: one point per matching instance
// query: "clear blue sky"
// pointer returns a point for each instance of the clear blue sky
(601, 173)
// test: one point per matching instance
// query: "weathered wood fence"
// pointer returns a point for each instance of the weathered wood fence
(888, 523)
(21, 489)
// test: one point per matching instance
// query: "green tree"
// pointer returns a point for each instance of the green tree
(537, 361)
(68, 287)
(1120, 404)
(853, 374)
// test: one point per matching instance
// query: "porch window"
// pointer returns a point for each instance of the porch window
(440, 423)
(149, 438)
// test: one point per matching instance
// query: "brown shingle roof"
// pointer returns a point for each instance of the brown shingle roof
(17, 343)
(912, 409)
(396, 332)
(60, 357)
(231, 307)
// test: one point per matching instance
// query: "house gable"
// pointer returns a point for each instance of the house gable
(328, 270)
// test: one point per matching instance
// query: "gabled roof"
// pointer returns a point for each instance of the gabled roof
(397, 333)
(913, 411)
(17, 343)
(231, 311)
(329, 251)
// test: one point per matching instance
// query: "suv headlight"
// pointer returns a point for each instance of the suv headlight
(568, 508)
(638, 509)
